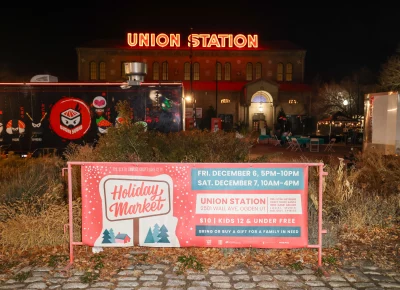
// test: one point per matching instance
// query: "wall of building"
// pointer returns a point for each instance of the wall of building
(115, 58)
(206, 90)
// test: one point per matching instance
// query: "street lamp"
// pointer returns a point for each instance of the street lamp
(345, 102)
(188, 98)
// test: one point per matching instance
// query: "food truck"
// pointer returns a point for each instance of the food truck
(47, 114)
(382, 123)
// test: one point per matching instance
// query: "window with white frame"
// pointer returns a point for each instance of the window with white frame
(187, 71)
(196, 71)
(165, 71)
(289, 72)
(218, 71)
(279, 72)
(102, 70)
(258, 70)
(227, 71)
(249, 71)
(93, 70)
(123, 74)
(156, 71)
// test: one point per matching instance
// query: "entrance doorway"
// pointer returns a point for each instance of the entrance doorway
(261, 112)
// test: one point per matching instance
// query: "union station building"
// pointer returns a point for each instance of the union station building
(243, 78)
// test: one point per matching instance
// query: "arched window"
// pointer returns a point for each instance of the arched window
(187, 71)
(102, 70)
(165, 71)
(156, 71)
(249, 71)
(93, 70)
(279, 72)
(258, 70)
(196, 71)
(218, 71)
(227, 71)
(289, 72)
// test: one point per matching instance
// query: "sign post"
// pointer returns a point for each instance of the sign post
(225, 205)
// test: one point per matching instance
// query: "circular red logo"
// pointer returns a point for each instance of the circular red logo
(70, 118)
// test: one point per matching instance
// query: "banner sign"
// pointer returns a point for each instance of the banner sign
(261, 205)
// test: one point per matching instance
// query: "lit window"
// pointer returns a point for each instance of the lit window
(93, 70)
(218, 71)
(289, 72)
(156, 71)
(123, 74)
(249, 72)
(187, 71)
(258, 70)
(196, 71)
(227, 71)
(165, 71)
(279, 73)
(102, 71)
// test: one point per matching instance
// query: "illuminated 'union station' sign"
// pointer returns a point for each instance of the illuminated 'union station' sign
(198, 40)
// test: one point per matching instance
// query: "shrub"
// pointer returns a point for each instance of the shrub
(33, 198)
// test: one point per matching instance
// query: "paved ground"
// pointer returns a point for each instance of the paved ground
(165, 277)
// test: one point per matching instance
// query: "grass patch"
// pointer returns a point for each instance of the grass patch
(34, 206)
(189, 262)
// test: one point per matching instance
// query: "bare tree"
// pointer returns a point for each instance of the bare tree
(389, 78)
(331, 97)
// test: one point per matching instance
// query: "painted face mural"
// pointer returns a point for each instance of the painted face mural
(99, 103)
(70, 118)
(15, 127)
(103, 125)
(37, 130)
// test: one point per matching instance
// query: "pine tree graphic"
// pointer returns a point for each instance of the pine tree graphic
(163, 235)
(112, 236)
(149, 238)
(106, 237)
(156, 232)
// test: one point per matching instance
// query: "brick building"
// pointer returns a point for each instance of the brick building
(240, 76)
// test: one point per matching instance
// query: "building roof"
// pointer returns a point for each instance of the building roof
(121, 236)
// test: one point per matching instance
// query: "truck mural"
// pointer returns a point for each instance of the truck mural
(36, 115)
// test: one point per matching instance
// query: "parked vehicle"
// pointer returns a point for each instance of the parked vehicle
(52, 115)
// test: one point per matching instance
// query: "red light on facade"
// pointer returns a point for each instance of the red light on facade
(153, 40)
(202, 40)
(162, 40)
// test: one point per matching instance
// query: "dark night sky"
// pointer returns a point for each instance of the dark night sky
(339, 39)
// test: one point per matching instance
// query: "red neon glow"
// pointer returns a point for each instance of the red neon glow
(153, 40)
(224, 40)
(203, 40)
(240, 41)
(162, 40)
